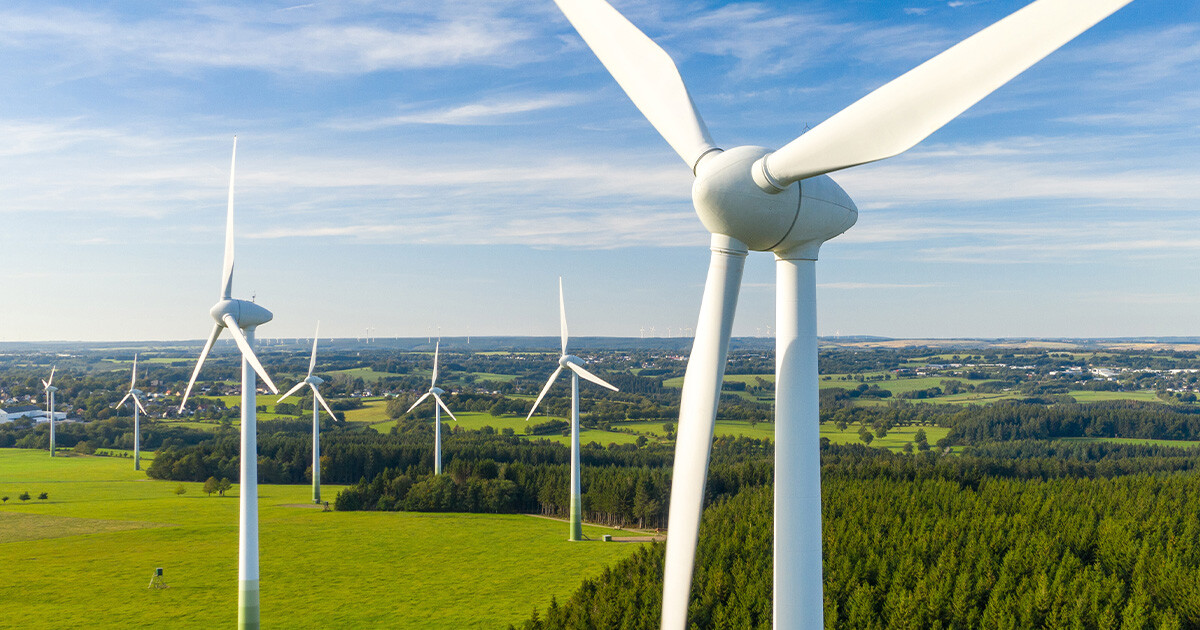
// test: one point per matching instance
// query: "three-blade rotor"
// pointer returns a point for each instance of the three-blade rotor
(310, 380)
(566, 361)
(47, 384)
(746, 192)
(434, 390)
(133, 392)
(248, 314)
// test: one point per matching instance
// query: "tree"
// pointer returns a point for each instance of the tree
(4, 498)
(866, 437)
(210, 485)
(24, 496)
(180, 490)
(222, 486)
(43, 496)
(921, 440)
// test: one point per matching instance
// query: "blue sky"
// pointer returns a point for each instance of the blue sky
(415, 165)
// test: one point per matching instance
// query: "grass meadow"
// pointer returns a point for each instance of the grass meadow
(83, 557)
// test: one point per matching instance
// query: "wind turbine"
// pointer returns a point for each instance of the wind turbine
(135, 394)
(751, 198)
(438, 406)
(575, 364)
(313, 381)
(48, 386)
(241, 318)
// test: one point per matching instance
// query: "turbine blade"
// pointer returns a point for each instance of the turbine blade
(562, 316)
(45, 385)
(118, 405)
(227, 268)
(53, 369)
(578, 369)
(646, 73)
(312, 362)
(697, 416)
(321, 399)
(212, 338)
(419, 401)
(444, 407)
(248, 352)
(139, 404)
(543, 393)
(133, 380)
(291, 391)
(436, 347)
(897, 116)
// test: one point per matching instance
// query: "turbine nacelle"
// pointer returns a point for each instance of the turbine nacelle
(734, 197)
(314, 380)
(51, 389)
(437, 391)
(247, 314)
(137, 392)
(569, 358)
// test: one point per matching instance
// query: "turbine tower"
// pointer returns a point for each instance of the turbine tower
(752, 198)
(438, 406)
(135, 394)
(575, 364)
(313, 381)
(49, 388)
(241, 318)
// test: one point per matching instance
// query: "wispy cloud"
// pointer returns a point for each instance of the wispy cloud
(255, 39)
(499, 111)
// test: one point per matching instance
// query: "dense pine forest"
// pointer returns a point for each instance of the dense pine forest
(927, 542)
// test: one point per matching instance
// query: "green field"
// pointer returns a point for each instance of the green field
(319, 569)
(365, 373)
(1145, 396)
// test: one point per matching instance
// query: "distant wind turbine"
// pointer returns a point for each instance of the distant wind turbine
(575, 364)
(241, 318)
(783, 201)
(313, 381)
(135, 394)
(48, 386)
(438, 406)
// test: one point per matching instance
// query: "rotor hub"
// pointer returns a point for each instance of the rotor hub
(437, 390)
(245, 314)
(314, 380)
(792, 221)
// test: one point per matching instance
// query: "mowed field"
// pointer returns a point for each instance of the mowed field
(83, 558)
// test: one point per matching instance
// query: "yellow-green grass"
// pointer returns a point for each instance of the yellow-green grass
(1088, 396)
(319, 569)
(489, 376)
(749, 379)
(365, 373)
(1117, 440)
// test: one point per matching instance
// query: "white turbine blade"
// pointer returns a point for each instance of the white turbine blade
(45, 385)
(321, 399)
(118, 405)
(591, 377)
(697, 417)
(562, 316)
(248, 352)
(419, 401)
(543, 393)
(646, 73)
(443, 406)
(139, 404)
(227, 268)
(133, 379)
(436, 347)
(291, 391)
(212, 338)
(897, 116)
(53, 369)
(312, 362)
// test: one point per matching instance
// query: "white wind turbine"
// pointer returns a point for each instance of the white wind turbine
(575, 364)
(135, 394)
(438, 406)
(241, 318)
(313, 381)
(751, 198)
(49, 388)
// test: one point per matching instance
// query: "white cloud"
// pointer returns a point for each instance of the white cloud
(498, 111)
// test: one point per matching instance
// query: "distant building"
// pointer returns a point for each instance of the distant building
(37, 414)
